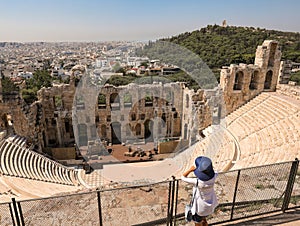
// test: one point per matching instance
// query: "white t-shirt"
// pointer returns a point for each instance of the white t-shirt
(205, 200)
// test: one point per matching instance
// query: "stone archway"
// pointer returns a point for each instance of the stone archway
(114, 101)
(268, 80)
(148, 132)
(138, 129)
(254, 80)
(116, 133)
(238, 81)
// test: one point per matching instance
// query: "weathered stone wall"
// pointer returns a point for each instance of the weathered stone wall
(56, 123)
(285, 72)
(201, 108)
(289, 90)
(25, 119)
(131, 113)
(243, 82)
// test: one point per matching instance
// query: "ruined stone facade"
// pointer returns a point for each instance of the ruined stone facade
(201, 108)
(243, 82)
(285, 72)
(128, 113)
(69, 113)
(141, 113)
(22, 119)
(57, 102)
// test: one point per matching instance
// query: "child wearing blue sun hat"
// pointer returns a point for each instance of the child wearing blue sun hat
(205, 200)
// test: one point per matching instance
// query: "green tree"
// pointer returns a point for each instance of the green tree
(29, 95)
(144, 64)
(218, 46)
(8, 87)
(296, 77)
(39, 79)
(117, 80)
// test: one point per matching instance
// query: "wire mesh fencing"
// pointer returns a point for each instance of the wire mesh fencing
(241, 194)
(78, 209)
(135, 205)
(6, 214)
(261, 190)
(295, 195)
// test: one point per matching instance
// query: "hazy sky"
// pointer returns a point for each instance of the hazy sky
(100, 20)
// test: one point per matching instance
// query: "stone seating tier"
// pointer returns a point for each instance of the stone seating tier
(267, 133)
(18, 161)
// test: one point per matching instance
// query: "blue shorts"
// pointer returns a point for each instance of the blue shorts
(196, 218)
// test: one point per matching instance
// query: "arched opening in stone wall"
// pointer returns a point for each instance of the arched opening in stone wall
(133, 117)
(273, 48)
(114, 101)
(148, 133)
(69, 128)
(169, 97)
(4, 121)
(148, 100)
(138, 129)
(127, 100)
(101, 101)
(116, 133)
(163, 117)
(268, 80)
(238, 80)
(82, 134)
(254, 80)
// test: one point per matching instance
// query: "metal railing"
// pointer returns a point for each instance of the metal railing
(241, 193)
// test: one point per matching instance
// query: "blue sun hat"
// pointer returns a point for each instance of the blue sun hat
(204, 169)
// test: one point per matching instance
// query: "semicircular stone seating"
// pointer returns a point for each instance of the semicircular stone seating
(219, 145)
(19, 161)
(263, 131)
(267, 129)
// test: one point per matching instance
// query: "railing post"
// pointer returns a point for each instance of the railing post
(169, 204)
(172, 200)
(11, 214)
(176, 200)
(235, 192)
(21, 214)
(290, 185)
(15, 210)
(99, 208)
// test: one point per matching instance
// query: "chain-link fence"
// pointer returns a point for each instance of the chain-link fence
(261, 190)
(241, 194)
(295, 195)
(78, 209)
(136, 205)
(6, 214)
